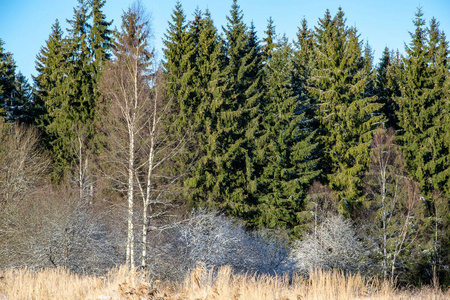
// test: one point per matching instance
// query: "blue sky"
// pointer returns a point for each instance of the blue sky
(26, 24)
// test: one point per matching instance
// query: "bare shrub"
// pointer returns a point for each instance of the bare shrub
(22, 162)
(390, 207)
(217, 240)
(53, 228)
(332, 245)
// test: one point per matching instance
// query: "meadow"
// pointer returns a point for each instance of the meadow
(202, 283)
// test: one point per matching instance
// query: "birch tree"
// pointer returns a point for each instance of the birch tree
(393, 198)
(139, 145)
(126, 83)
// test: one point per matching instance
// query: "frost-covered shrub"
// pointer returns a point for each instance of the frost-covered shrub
(55, 229)
(332, 245)
(217, 240)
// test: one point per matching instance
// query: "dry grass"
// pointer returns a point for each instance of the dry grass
(201, 284)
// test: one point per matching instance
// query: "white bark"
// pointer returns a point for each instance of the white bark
(397, 196)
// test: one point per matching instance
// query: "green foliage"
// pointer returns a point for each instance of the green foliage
(422, 110)
(283, 153)
(180, 46)
(269, 40)
(345, 114)
(387, 86)
(68, 74)
(302, 64)
(7, 78)
(209, 86)
(423, 118)
(16, 95)
(239, 120)
(179, 54)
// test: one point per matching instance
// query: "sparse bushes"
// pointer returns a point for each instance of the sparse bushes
(217, 240)
(55, 229)
(332, 245)
(22, 161)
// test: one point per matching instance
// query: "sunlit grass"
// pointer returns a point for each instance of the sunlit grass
(202, 283)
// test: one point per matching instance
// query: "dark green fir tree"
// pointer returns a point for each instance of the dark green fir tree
(387, 86)
(100, 45)
(284, 157)
(7, 82)
(68, 97)
(345, 114)
(239, 123)
(422, 109)
(178, 65)
(24, 109)
(50, 68)
(179, 70)
(209, 85)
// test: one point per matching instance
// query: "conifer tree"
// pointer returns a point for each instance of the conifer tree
(16, 95)
(229, 85)
(23, 109)
(67, 84)
(301, 68)
(269, 40)
(239, 122)
(72, 108)
(423, 116)
(100, 46)
(50, 67)
(387, 86)
(179, 66)
(7, 82)
(284, 160)
(369, 70)
(421, 109)
(99, 37)
(209, 83)
(438, 53)
(345, 114)
(178, 54)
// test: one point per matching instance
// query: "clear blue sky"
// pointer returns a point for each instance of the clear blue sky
(26, 24)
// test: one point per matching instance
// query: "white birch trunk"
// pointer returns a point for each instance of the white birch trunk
(130, 237)
(148, 187)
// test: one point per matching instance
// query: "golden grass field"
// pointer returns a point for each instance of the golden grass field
(201, 284)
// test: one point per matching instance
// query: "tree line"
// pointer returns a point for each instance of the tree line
(280, 134)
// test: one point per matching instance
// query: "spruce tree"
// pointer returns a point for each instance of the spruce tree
(387, 86)
(209, 84)
(284, 161)
(72, 110)
(422, 109)
(49, 65)
(100, 45)
(269, 40)
(7, 82)
(239, 123)
(179, 67)
(67, 84)
(301, 68)
(423, 118)
(178, 54)
(438, 53)
(16, 95)
(229, 83)
(344, 112)
(99, 37)
(23, 109)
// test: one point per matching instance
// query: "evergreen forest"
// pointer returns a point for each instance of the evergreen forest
(237, 148)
